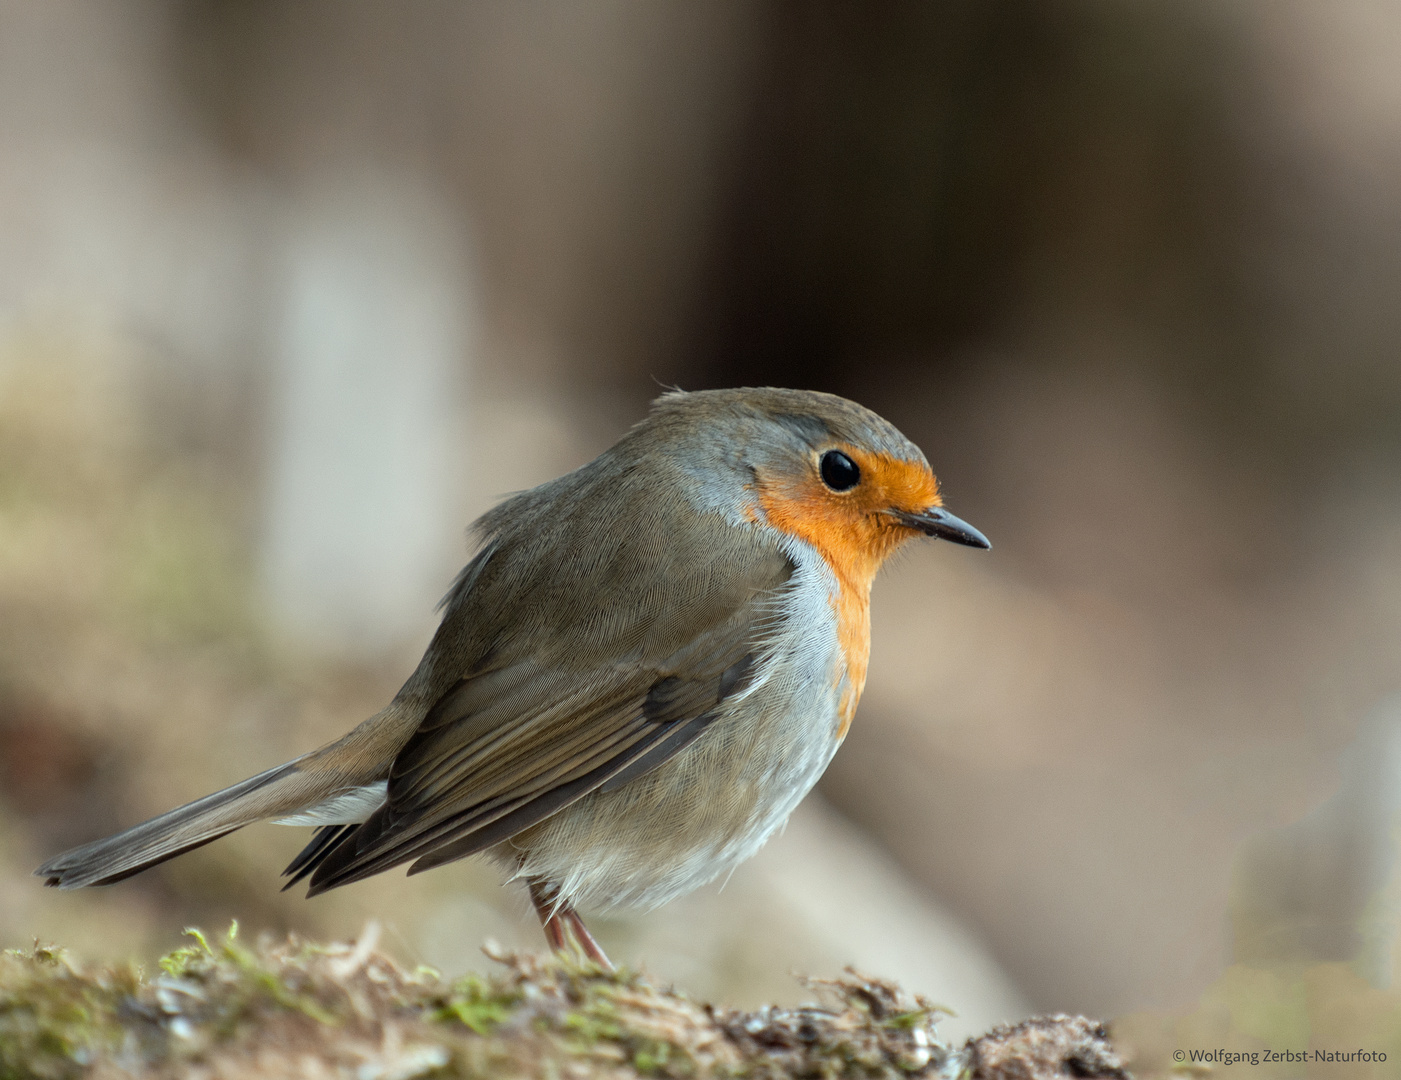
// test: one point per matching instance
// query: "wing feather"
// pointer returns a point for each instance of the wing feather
(508, 746)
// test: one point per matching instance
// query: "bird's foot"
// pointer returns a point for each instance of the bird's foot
(564, 927)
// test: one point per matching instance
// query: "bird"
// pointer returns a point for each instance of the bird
(645, 666)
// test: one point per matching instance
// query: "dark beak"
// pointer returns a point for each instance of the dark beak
(936, 521)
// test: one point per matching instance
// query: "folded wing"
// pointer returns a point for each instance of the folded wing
(508, 746)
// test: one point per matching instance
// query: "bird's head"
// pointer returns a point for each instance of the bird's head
(830, 472)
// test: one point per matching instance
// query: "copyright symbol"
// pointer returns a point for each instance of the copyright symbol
(1178, 1055)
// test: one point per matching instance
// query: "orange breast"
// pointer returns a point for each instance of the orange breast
(854, 634)
(854, 535)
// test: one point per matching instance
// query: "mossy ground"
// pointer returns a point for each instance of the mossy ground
(222, 1008)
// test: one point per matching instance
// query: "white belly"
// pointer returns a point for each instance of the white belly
(716, 802)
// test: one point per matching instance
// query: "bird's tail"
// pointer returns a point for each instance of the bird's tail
(104, 862)
(315, 782)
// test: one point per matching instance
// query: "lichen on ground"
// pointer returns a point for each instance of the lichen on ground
(219, 1008)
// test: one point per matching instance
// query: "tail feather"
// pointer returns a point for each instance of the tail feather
(122, 875)
(281, 790)
(338, 785)
(326, 839)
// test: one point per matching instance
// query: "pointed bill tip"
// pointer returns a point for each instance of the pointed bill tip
(939, 523)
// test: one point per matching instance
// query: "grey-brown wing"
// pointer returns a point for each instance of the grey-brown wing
(507, 747)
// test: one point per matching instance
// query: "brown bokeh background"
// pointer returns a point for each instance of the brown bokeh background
(288, 293)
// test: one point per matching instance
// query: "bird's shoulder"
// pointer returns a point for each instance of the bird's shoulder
(603, 566)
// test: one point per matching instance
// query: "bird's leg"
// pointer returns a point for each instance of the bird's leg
(562, 924)
(543, 898)
(586, 941)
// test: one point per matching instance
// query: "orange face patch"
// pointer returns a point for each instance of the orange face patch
(855, 534)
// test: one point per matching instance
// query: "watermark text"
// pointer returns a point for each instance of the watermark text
(1222, 1056)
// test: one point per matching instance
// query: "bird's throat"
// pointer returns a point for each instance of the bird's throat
(853, 557)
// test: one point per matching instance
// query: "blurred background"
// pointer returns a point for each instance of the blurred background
(290, 293)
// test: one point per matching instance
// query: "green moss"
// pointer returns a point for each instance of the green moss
(279, 983)
(476, 1004)
(221, 1001)
(54, 1021)
(179, 961)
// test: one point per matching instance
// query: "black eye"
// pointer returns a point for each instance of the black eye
(838, 471)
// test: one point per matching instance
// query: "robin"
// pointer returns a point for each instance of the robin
(646, 666)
